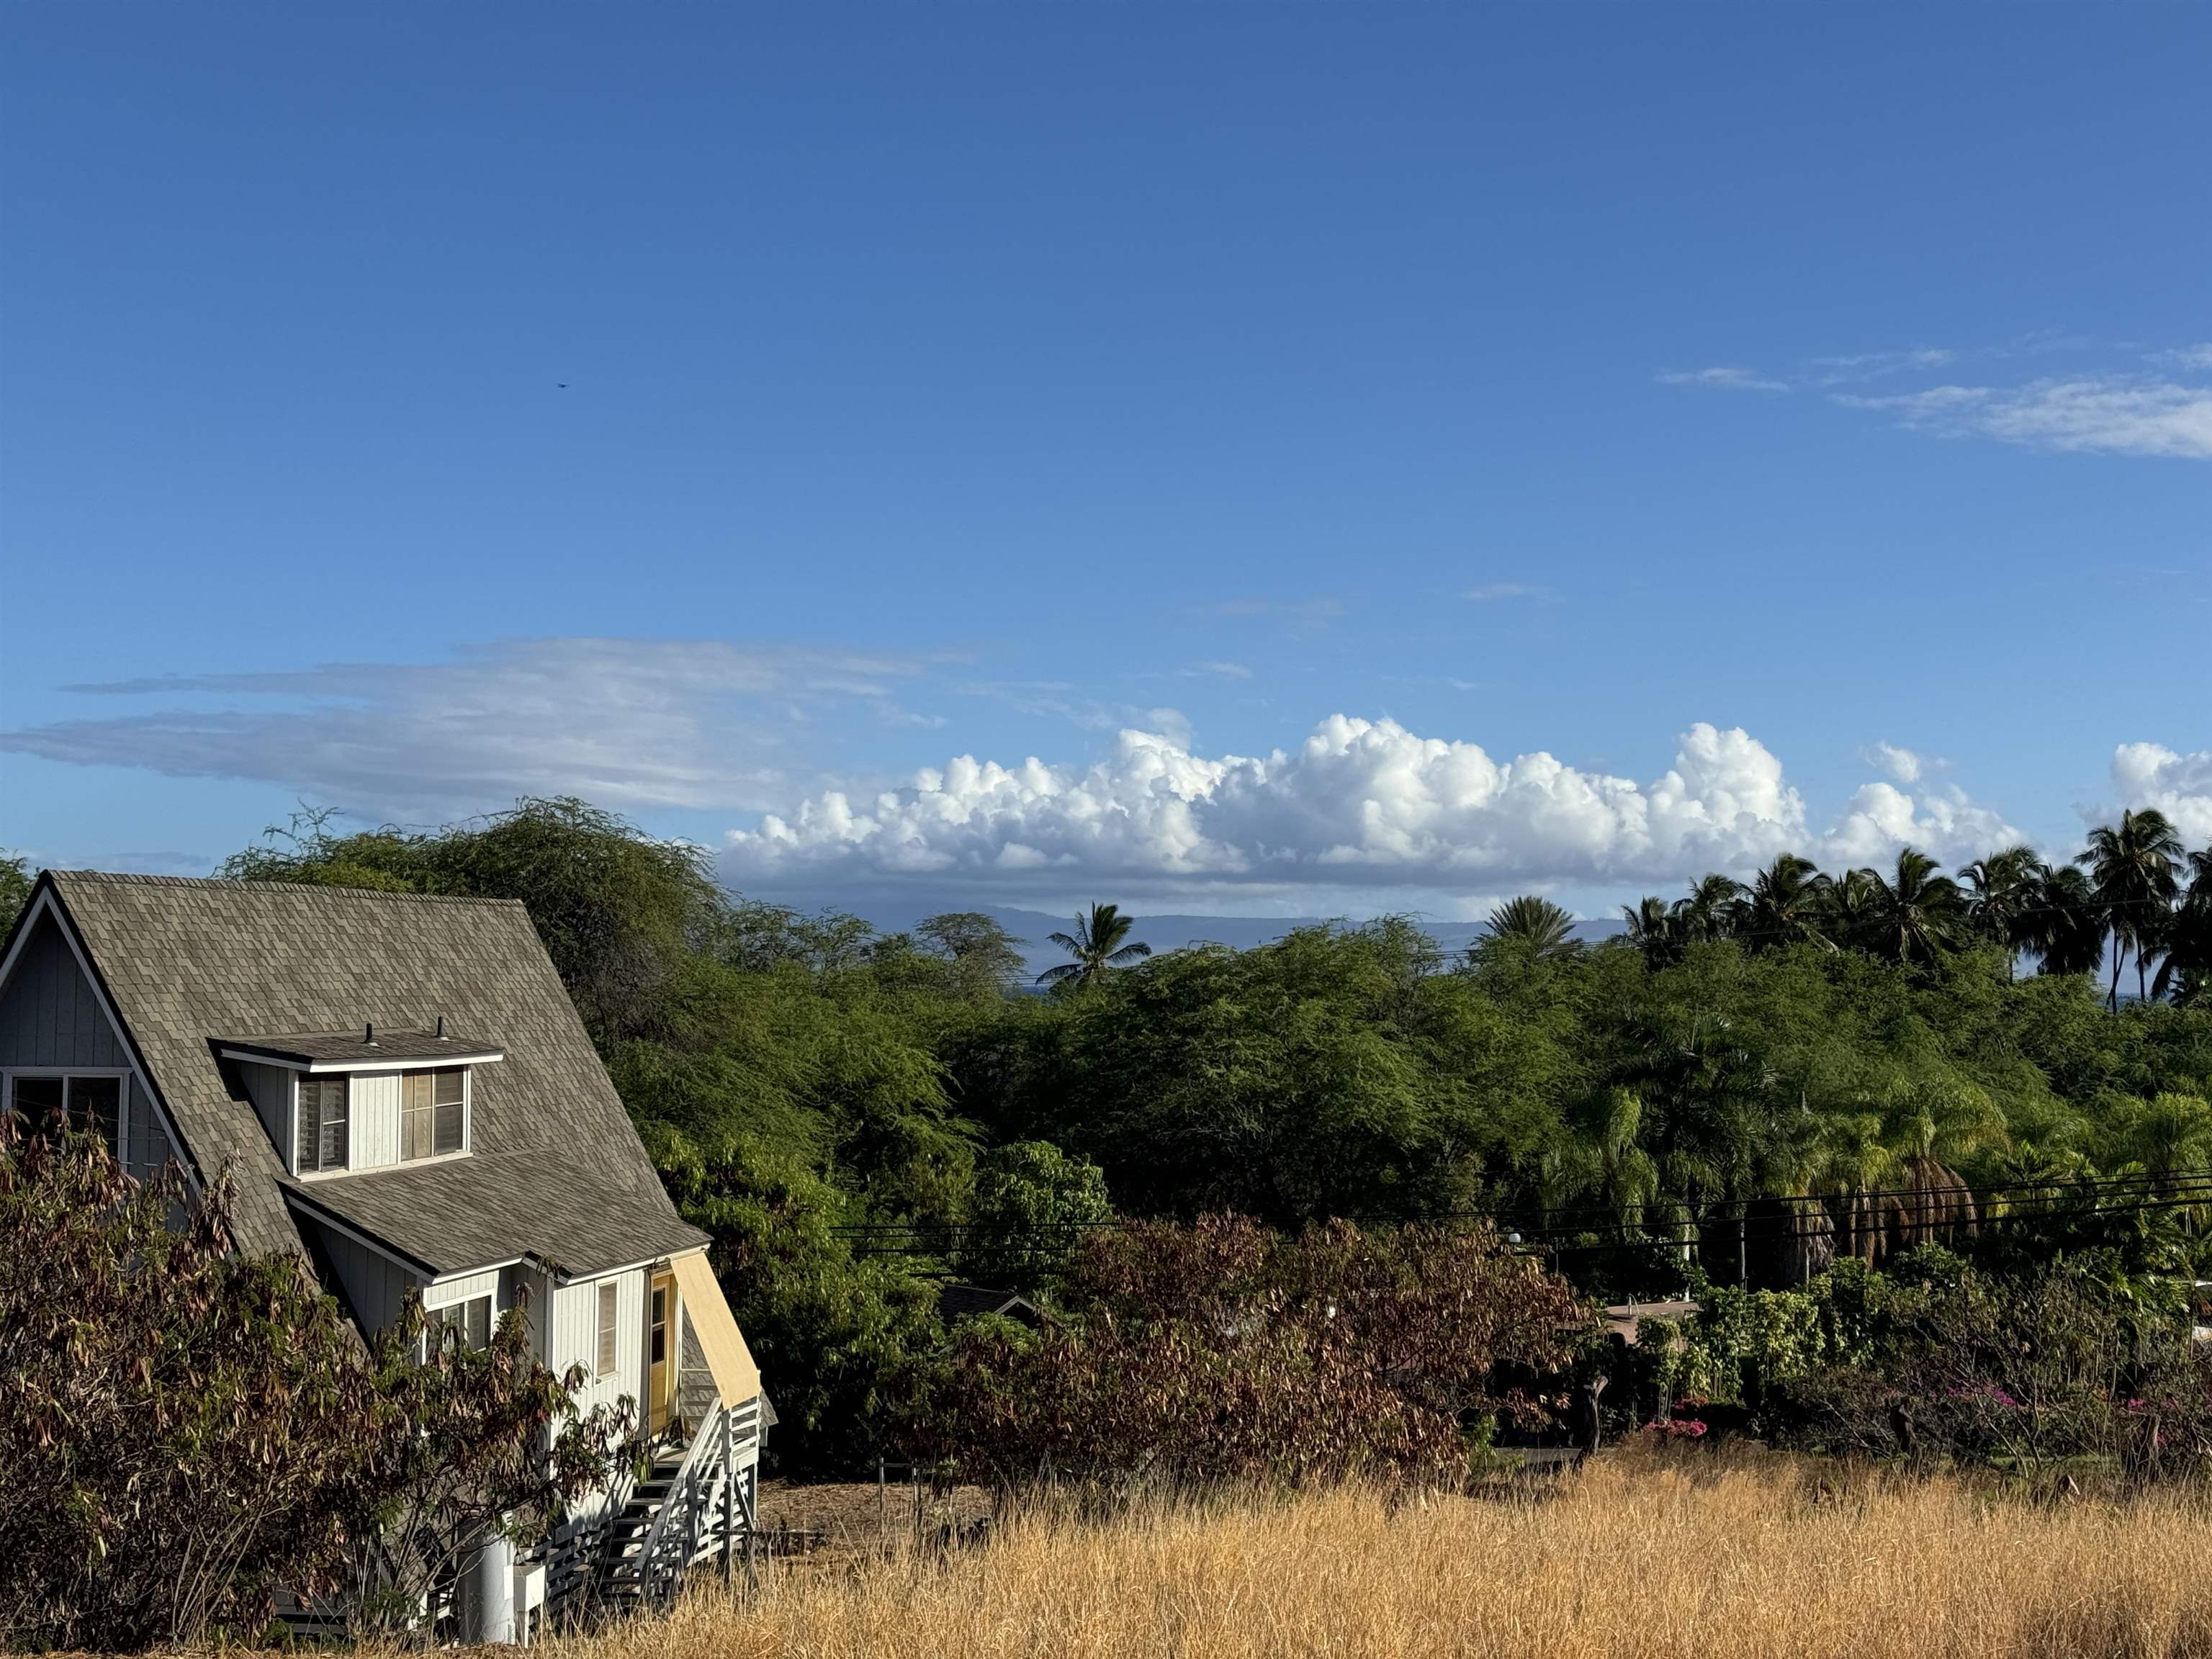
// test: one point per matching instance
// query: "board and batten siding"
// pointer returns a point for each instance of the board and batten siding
(575, 1339)
(269, 1089)
(373, 1099)
(50, 1017)
(375, 1285)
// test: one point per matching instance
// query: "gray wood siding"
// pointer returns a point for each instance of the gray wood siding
(146, 1151)
(269, 1089)
(375, 1287)
(576, 1341)
(50, 1015)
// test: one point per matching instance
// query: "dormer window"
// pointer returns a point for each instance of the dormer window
(364, 1099)
(325, 1119)
(433, 1112)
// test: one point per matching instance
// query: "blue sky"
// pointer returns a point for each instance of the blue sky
(1308, 459)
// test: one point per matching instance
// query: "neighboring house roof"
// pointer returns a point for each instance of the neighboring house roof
(555, 1168)
(965, 1301)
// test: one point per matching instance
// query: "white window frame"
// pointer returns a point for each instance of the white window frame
(292, 1155)
(606, 1326)
(123, 1074)
(468, 1115)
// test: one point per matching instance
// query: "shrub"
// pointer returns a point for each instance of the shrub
(183, 1429)
(1220, 1351)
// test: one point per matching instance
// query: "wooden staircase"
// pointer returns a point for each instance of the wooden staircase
(694, 1505)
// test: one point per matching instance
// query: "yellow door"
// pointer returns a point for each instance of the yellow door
(660, 1360)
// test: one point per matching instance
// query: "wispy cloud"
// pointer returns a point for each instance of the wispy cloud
(1875, 365)
(1227, 670)
(2118, 414)
(1724, 379)
(1491, 592)
(632, 723)
(2109, 411)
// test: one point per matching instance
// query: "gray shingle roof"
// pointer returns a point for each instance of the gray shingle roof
(455, 1215)
(556, 1168)
(363, 1046)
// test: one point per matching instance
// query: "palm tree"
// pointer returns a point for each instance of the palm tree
(1849, 909)
(1713, 909)
(1096, 946)
(2187, 970)
(1537, 926)
(1652, 930)
(1787, 904)
(1916, 915)
(2000, 891)
(2132, 865)
(2064, 927)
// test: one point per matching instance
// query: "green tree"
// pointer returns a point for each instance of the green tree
(986, 956)
(15, 883)
(2064, 927)
(1100, 942)
(2186, 973)
(1033, 1205)
(2133, 866)
(1713, 909)
(1535, 927)
(1787, 904)
(1915, 914)
(2002, 891)
(1650, 929)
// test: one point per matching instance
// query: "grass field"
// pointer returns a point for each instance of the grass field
(1698, 1555)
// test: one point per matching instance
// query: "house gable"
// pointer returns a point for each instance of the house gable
(54, 1019)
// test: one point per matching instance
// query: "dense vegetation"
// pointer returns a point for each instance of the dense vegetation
(854, 1114)
(184, 1429)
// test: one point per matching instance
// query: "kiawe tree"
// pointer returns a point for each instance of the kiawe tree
(1100, 942)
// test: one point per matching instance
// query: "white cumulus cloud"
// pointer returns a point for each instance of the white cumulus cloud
(2178, 785)
(1359, 804)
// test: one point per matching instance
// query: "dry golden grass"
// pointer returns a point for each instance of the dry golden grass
(1707, 1556)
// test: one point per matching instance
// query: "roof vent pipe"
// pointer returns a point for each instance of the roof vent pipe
(441, 1028)
(368, 1034)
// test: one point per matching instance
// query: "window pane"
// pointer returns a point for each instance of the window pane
(414, 1115)
(311, 1138)
(37, 1099)
(478, 1327)
(449, 1128)
(334, 1146)
(95, 1105)
(448, 1085)
(606, 1354)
